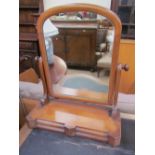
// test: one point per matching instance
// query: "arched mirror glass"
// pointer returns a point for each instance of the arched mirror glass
(79, 49)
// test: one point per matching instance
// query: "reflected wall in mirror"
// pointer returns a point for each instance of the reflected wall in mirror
(79, 49)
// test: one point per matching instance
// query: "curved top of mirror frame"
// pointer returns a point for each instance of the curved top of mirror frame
(84, 7)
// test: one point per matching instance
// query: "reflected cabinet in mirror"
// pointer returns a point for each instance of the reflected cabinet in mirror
(79, 48)
(82, 47)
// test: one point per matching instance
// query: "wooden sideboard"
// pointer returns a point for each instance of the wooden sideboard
(127, 56)
(76, 44)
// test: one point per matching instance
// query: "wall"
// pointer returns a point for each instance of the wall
(50, 3)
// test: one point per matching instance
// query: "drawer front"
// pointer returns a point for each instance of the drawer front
(28, 2)
(27, 29)
(26, 45)
(25, 16)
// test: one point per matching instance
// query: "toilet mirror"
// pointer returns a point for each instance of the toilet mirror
(79, 48)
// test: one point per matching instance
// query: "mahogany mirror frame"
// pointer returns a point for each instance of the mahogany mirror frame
(112, 92)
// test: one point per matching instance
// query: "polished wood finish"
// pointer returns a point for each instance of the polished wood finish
(127, 55)
(81, 94)
(120, 68)
(61, 113)
(25, 131)
(78, 7)
(28, 41)
(77, 120)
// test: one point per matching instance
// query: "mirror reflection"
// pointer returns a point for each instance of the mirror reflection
(79, 53)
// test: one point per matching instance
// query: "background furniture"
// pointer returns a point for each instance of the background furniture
(127, 55)
(125, 9)
(29, 10)
(76, 43)
(105, 61)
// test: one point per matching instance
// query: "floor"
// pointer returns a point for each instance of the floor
(103, 76)
(41, 142)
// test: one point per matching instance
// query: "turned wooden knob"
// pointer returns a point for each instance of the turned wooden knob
(125, 67)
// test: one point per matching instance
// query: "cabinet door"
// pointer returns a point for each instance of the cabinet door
(80, 49)
(127, 56)
(59, 46)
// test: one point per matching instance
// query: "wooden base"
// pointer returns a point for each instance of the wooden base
(77, 120)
